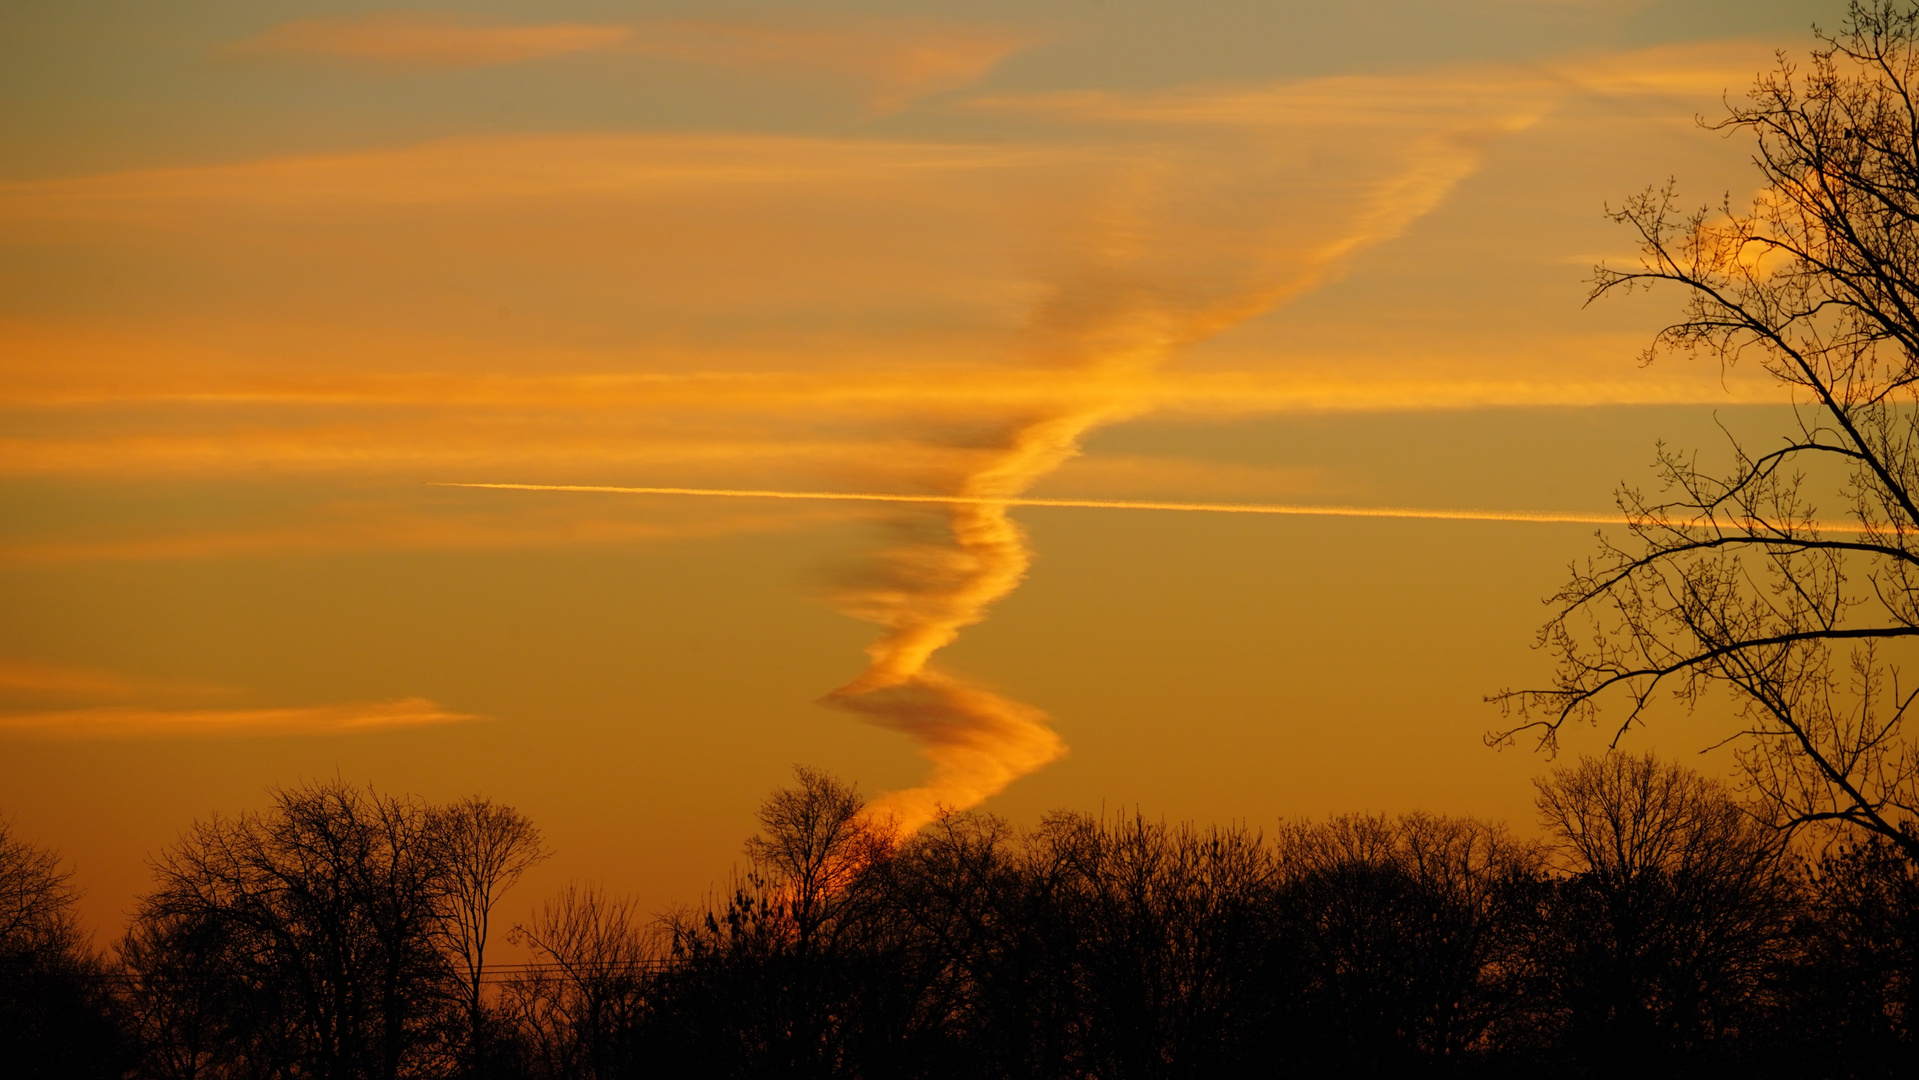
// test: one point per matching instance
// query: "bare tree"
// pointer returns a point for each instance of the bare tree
(484, 848)
(814, 841)
(1672, 903)
(36, 895)
(579, 1003)
(1749, 580)
(316, 924)
(55, 1021)
(1161, 933)
(1856, 985)
(1405, 939)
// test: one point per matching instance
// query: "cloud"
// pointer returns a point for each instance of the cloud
(1168, 252)
(1681, 74)
(134, 722)
(898, 60)
(1428, 513)
(891, 61)
(33, 679)
(494, 173)
(932, 392)
(398, 522)
(429, 40)
(28, 687)
(935, 317)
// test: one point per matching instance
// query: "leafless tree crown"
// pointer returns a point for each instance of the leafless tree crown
(1795, 591)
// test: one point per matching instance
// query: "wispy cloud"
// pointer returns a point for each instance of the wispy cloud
(772, 427)
(896, 60)
(424, 39)
(517, 173)
(134, 722)
(93, 703)
(890, 61)
(396, 523)
(951, 318)
(1417, 513)
(1705, 69)
(34, 679)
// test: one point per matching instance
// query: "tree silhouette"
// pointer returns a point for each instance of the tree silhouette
(1746, 580)
(1657, 929)
(55, 1022)
(1405, 940)
(1854, 994)
(307, 935)
(484, 848)
(1163, 926)
(580, 1007)
(1672, 903)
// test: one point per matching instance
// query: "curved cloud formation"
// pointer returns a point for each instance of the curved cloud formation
(1180, 246)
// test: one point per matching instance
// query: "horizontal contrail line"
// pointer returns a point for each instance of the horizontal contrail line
(1544, 516)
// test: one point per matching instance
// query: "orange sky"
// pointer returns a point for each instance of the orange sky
(271, 272)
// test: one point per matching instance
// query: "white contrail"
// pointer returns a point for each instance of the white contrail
(1441, 514)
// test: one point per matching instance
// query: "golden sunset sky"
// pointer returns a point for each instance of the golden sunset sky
(272, 273)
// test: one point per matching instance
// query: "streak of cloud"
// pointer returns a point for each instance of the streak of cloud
(898, 60)
(385, 526)
(1409, 512)
(894, 61)
(928, 391)
(426, 39)
(134, 722)
(34, 679)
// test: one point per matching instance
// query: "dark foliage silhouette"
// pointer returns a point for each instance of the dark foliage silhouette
(56, 1019)
(336, 935)
(1657, 928)
(1853, 997)
(1407, 940)
(1672, 906)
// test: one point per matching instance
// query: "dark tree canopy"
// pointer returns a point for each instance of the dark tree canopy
(56, 1019)
(338, 934)
(1655, 929)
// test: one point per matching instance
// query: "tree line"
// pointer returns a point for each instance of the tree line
(1656, 927)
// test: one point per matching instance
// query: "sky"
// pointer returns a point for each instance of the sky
(276, 277)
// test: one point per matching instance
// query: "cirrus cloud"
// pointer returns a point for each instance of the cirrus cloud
(429, 40)
(892, 60)
(139, 722)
